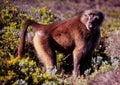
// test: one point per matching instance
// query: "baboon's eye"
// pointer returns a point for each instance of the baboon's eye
(91, 15)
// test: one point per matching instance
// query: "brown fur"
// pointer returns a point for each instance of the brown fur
(78, 36)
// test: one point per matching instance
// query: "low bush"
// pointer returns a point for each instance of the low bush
(15, 70)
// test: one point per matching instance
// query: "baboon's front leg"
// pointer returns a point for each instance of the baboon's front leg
(77, 55)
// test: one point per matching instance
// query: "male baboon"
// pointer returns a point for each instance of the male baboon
(79, 36)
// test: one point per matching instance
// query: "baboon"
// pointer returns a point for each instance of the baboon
(79, 36)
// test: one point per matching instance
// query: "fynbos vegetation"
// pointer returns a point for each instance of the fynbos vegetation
(28, 71)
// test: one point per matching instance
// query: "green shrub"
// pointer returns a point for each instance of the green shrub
(23, 71)
(12, 20)
(111, 22)
(43, 15)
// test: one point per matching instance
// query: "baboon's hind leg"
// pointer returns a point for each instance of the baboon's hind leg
(44, 51)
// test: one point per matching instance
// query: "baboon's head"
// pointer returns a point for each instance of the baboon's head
(92, 18)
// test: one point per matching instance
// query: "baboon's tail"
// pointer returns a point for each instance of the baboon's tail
(22, 36)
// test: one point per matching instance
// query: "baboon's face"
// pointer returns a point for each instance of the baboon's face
(92, 19)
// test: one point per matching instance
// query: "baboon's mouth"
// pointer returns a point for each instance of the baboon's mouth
(90, 26)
